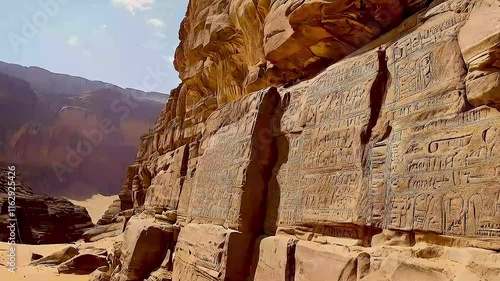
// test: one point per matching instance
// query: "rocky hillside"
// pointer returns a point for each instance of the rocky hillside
(46, 82)
(322, 140)
(73, 145)
(40, 219)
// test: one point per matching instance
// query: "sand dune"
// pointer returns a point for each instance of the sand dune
(96, 205)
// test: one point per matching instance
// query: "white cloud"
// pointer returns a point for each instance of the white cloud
(73, 41)
(156, 23)
(169, 59)
(161, 35)
(135, 5)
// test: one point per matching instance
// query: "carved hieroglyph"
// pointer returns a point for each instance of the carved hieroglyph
(439, 165)
(319, 174)
(230, 181)
(444, 175)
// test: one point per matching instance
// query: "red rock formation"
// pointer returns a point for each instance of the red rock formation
(71, 145)
(372, 168)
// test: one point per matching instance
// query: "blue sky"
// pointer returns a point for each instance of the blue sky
(115, 41)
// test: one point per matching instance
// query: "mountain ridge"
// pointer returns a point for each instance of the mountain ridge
(48, 82)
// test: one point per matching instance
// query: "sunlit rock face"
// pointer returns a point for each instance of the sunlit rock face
(328, 140)
(231, 48)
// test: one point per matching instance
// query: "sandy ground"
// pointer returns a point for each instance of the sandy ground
(96, 205)
(25, 272)
(42, 273)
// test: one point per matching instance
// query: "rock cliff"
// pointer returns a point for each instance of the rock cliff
(40, 219)
(72, 145)
(323, 140)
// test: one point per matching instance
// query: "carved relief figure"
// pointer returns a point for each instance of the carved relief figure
(489, 138)
(453, 214)
(145, 175)
(427, 213)
(472, 217)
(399, 212)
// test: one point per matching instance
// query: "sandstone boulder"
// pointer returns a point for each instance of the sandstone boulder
(205, 257)
(82, 264)
(480, 47)
(100, 274)
(275, 258)
(144, 247)
(57, 257)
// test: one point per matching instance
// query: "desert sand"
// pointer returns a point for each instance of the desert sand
(25, 271)
(96, 205)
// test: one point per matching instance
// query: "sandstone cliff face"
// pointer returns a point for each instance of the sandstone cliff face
(372, 168)
(41, 219)
(72, 145)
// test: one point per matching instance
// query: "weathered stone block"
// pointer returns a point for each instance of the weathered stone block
(233, 168)
(316, 262)
(444, 175)
(275, 258)
(202, 253)
(166, 186)
(144, 248)
(319, 175)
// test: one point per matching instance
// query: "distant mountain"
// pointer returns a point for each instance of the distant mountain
(75, 145)
(46, 82)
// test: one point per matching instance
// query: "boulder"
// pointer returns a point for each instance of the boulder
(41, 219)
(144, 248)
(82, 264)
(57, 257)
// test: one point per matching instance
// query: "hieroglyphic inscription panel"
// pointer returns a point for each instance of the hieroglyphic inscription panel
(445, 175)
(322, 178)
(427, 71)
(225, 172)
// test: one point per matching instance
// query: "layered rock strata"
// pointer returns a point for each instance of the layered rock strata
(383, 166)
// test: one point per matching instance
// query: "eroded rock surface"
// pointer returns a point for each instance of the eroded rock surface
(41, 219)
(280, 165)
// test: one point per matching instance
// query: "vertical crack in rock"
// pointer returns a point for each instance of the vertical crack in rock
(378, 93)
(290, 261)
